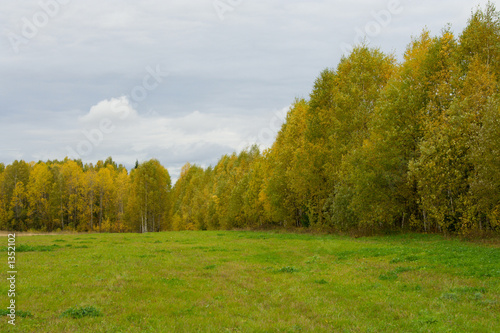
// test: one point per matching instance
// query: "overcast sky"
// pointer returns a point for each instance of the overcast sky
(185, 80)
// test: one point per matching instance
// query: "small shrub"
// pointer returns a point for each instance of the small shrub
(80, 312)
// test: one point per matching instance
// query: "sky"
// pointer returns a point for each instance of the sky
(180, 81)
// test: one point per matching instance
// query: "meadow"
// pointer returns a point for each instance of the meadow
(240, 281)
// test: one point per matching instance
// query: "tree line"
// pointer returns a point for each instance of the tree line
(68, 195)
(378, 145)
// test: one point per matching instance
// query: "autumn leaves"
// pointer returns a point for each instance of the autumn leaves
(378, 145)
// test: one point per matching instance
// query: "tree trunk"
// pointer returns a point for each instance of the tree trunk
(92, 211)
(100, 211)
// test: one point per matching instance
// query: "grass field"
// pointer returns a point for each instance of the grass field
(232, 281)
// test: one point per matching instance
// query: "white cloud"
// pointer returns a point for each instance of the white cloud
(128, 135)
(114, 109)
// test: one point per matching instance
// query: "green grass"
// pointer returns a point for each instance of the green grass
(253, 282)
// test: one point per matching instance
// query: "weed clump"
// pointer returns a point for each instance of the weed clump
(322, 281)
(80, 312)
(33, 248)
(287, 269)
(450, 297)
(19, 313)
(405, 259)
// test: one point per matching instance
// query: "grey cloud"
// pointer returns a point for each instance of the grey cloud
(227, 78)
